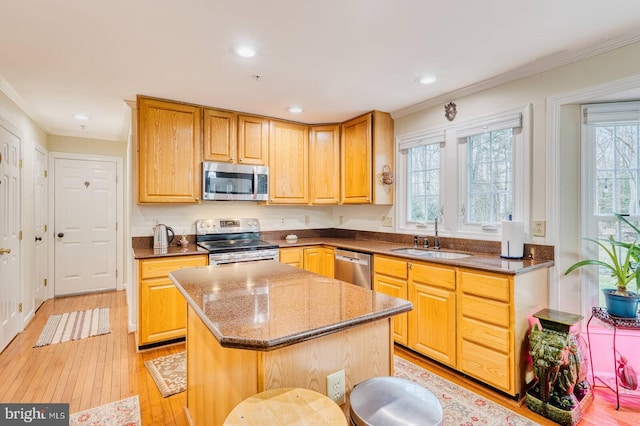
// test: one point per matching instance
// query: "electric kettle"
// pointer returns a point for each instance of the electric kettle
(161, 238)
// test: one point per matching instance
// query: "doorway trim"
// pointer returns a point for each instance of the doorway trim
(53, 156)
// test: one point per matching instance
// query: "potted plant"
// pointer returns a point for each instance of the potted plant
(620, 301)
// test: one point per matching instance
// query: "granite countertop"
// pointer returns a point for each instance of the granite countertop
(267, 305)
(150, 253)
(482, 261)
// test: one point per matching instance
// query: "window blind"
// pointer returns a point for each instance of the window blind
(611, 113)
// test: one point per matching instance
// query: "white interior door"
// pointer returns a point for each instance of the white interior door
(10, 148)
(40, 213)
(85, 226)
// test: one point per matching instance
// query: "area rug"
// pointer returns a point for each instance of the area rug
(459, 405)
(74, 326)
(169, 372)
(125, 412)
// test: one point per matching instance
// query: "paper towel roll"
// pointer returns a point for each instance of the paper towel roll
(512, 239)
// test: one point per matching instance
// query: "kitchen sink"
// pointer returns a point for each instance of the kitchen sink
(431, 253)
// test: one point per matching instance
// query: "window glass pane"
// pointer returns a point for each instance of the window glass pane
(490, 177)
(615, 177)
(424, 182)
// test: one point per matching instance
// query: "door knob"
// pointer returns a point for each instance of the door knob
(4, 251)
(38, 238)
(60, 234)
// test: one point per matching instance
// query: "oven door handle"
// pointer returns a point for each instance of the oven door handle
(228, 261)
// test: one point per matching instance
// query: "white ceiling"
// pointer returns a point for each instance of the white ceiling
(335, 58)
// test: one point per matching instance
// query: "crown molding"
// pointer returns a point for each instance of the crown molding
(11, 93)
(538, 66)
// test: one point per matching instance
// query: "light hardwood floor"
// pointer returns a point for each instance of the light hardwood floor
(94, 371)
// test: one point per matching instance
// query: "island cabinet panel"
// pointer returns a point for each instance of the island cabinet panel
(292, 256)
(432, 322)
(219, 378)
(162, 308)
(324, 164)
(390, 275)
(169, 152)
(220, 136)
(288, 163)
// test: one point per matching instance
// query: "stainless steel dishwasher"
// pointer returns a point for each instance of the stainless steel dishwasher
(353, 267)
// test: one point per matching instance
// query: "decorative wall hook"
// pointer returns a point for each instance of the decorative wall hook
(387, 175)
(450, 111)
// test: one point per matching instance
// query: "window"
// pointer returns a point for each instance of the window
(610, 185)
(494, 164)
(489, 177)
(472, 175)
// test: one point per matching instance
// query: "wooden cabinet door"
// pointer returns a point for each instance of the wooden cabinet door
(312, 259)
(292, 256)
(396, 287)
(219, 130)
(328, 262)
(355, 161)
(253, 140)
(288, 163)
(169, 152)
(324, 167)
(432, 322)
(162, 310)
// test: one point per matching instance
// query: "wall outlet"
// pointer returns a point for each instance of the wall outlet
(539, 228)
(387, 221)
(335, 387)
(282, 221)
(306, 219)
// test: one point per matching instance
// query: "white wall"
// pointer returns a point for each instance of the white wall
(32, 136)
(561, 183)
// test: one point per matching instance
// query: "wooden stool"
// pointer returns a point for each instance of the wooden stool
(286, 406)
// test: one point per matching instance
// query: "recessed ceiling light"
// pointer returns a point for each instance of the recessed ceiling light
(295, 109)
(244, 51)
(426, 79)
(83, 117)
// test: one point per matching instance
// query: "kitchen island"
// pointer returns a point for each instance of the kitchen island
(263, 325)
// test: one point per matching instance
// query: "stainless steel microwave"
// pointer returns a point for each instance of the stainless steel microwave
(240, 182)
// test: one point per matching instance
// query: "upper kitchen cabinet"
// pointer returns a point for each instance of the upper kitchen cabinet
(324, 167)
(288, 163)
(253, 140)
(366, 151)
(233, 138)
(169, 152)
(219, 136)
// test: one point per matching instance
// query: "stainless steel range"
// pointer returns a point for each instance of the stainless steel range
(233, 241)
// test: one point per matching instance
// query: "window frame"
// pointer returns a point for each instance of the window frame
(453, 174)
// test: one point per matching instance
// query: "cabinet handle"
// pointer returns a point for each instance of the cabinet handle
(4, 251)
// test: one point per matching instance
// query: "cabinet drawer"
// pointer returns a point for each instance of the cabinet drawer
(160, 267)
(390, 266)
(487, 365)
(486, 334)
(490, 286)
(486, 310)
(434, 275)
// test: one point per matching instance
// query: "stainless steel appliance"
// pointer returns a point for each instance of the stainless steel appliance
(161, 238)
(233, 241)
(221, 181)
(353, 267)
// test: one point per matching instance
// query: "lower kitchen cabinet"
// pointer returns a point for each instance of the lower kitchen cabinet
(318, 259)
(493, 325)
(432, 322)
(162, 310)
(390, 275)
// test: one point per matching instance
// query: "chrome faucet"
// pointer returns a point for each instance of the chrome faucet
(425, 241)
(415, 240)
(436, 239)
